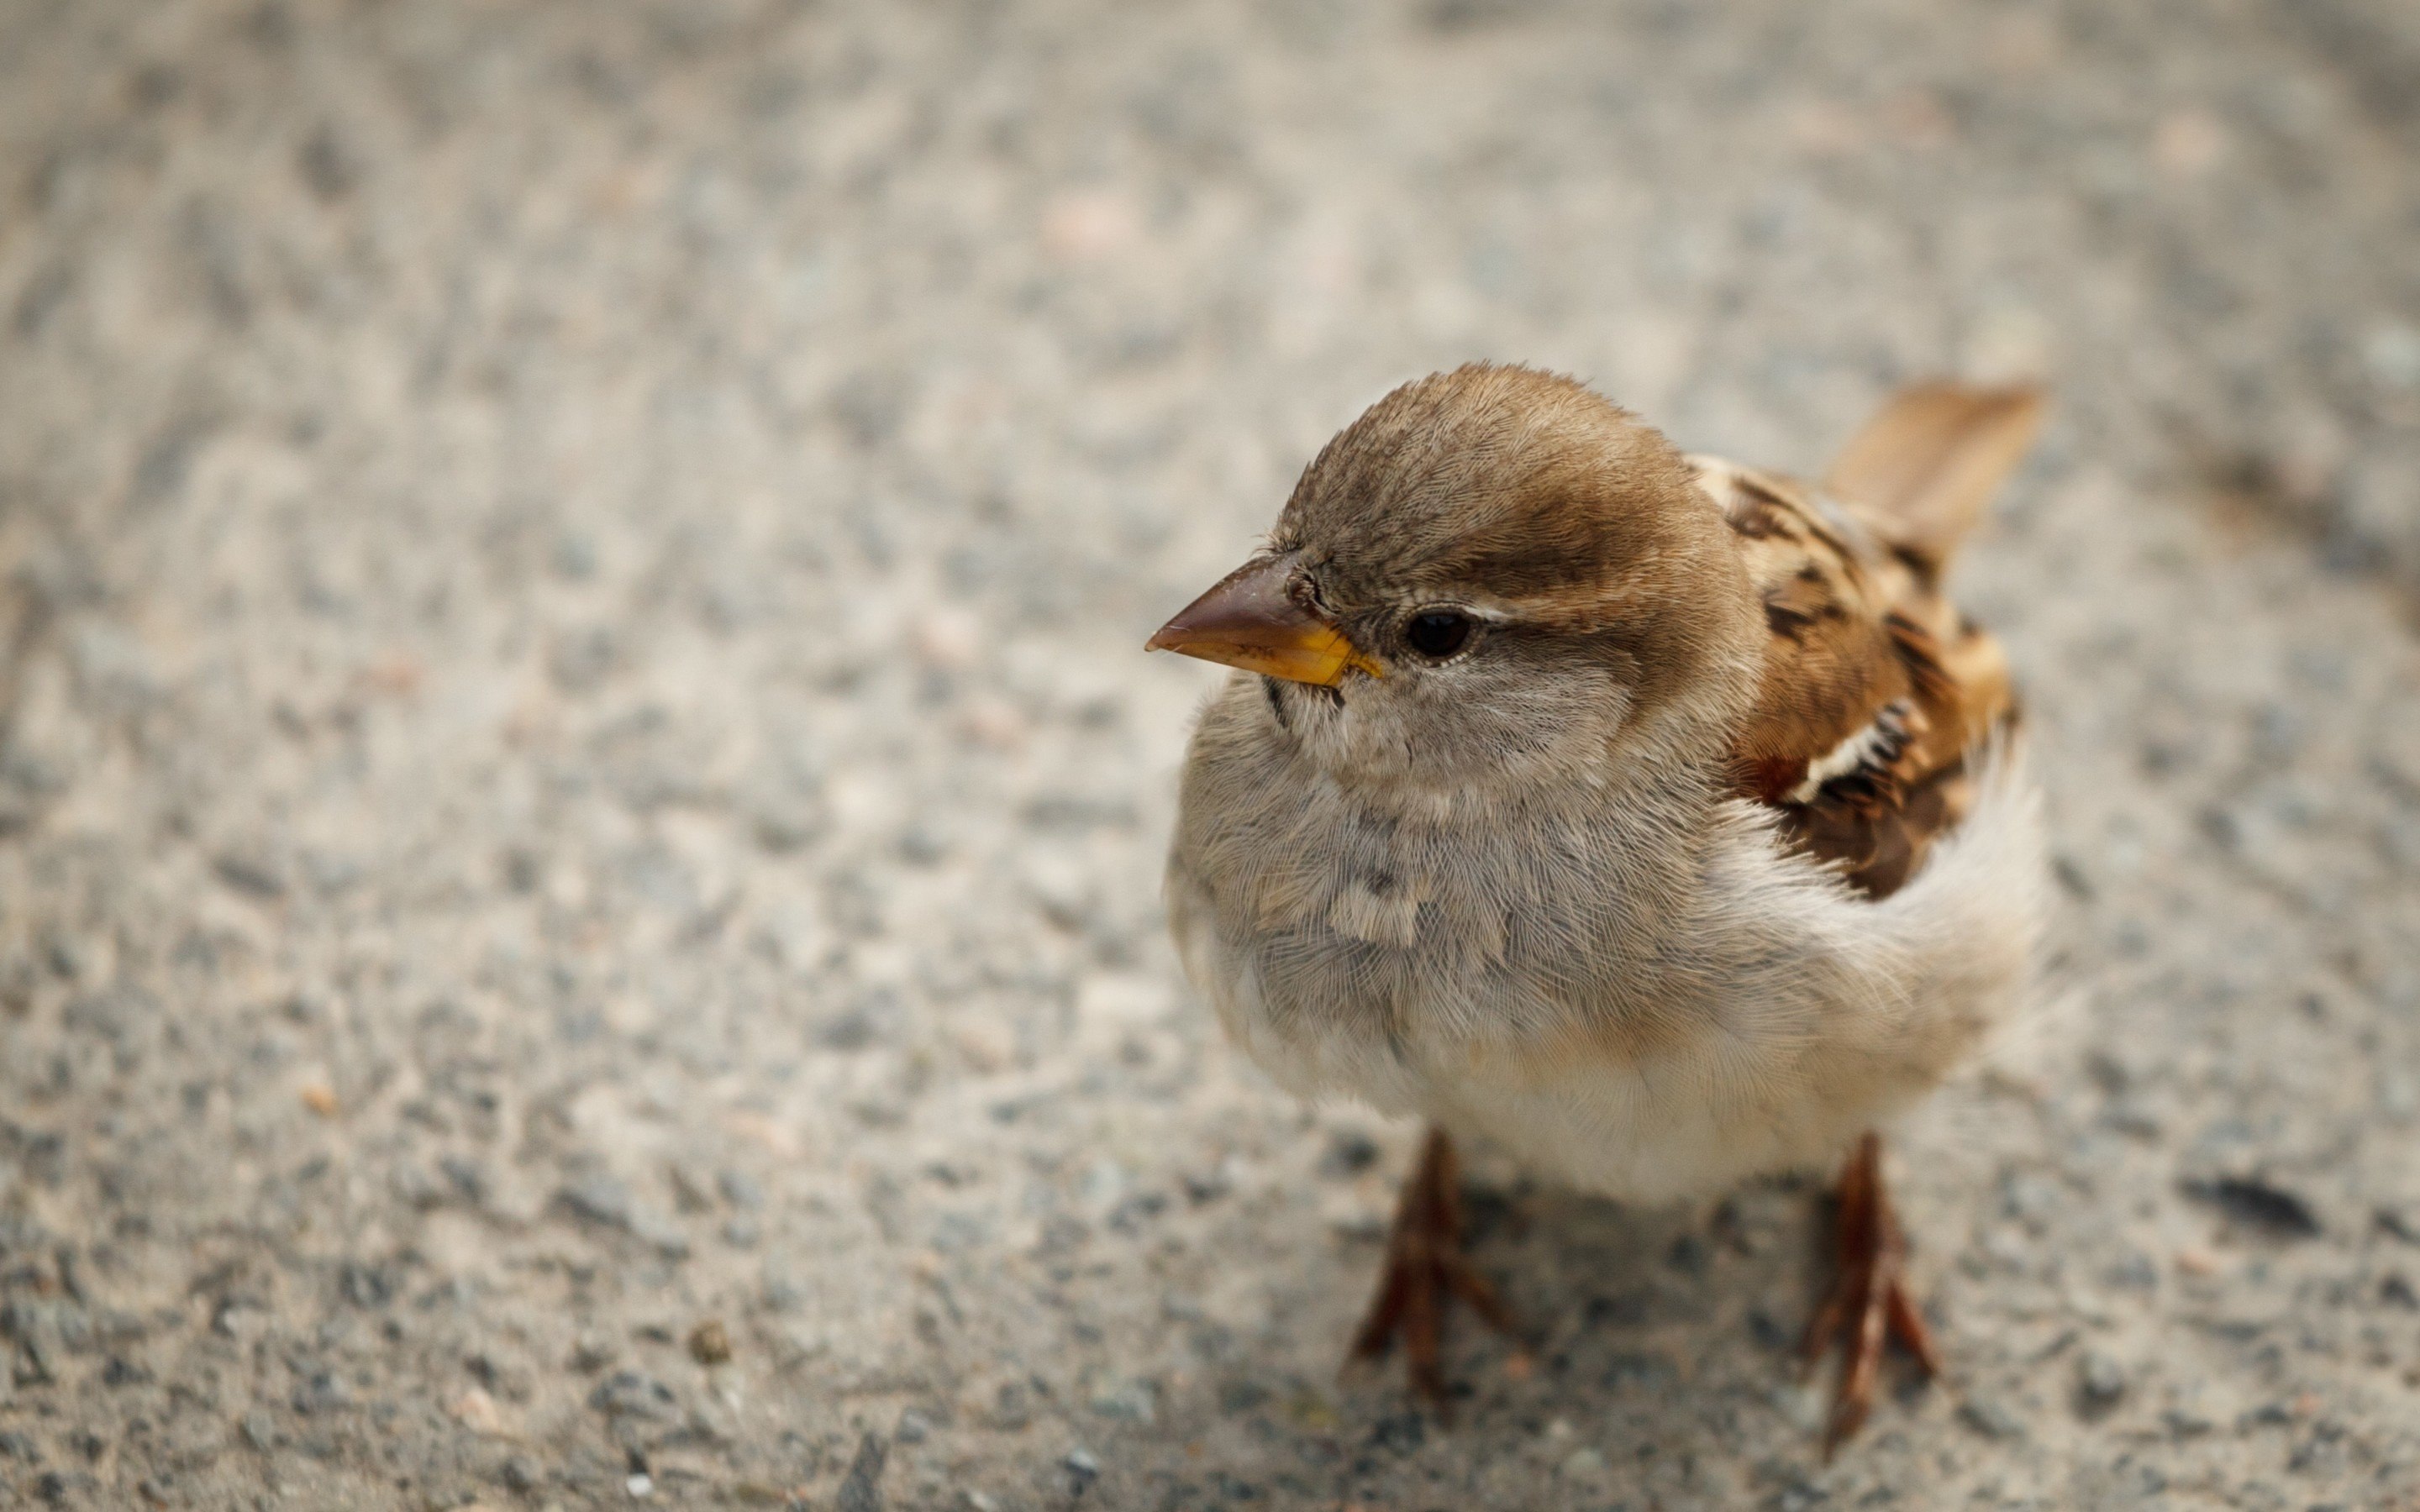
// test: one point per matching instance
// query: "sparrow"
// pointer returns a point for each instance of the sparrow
(1653, 817)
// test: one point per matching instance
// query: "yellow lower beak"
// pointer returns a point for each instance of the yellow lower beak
(1249, 621)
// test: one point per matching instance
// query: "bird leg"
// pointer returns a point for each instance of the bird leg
(1868, 1305)
(1425, 1268)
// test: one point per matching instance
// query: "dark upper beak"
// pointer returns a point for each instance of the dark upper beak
(1249, 621)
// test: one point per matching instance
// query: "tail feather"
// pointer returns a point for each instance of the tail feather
(1925, 467)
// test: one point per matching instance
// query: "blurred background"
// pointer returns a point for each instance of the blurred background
(581, 806)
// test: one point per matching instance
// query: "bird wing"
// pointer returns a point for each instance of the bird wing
(1875, 687)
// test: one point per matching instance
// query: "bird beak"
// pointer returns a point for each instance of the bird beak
(1251, 621)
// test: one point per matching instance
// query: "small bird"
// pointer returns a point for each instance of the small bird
(1654, 817)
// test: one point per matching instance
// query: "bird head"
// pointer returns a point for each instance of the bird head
(1494, 573)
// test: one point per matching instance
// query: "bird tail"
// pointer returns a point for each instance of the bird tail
(1925, 467)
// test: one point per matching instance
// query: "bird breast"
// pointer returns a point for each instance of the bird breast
(1635, 989)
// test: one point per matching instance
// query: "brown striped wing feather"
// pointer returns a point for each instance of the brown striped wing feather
(1875, 687)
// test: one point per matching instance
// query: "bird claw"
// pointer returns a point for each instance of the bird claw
(1869, 1304)
(1425, 1269)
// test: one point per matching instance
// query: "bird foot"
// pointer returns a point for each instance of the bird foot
(1869, 1303)
(1424, 1270)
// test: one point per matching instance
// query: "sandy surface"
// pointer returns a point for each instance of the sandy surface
(581, 809)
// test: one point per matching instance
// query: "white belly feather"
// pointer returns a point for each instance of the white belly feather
(1761, 1024)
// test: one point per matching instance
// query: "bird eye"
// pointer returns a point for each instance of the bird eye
(1439, 632)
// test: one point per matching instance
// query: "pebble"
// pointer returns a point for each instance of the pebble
(599, 1199)
(740, 1190)
(2100, 1380)
(631, 1393)
(591, 1353)
(468, 1179)
(1082, 1467)
(475, 1409)
(862, 1490)
(321, 1392)
(1125, 1399)
(709, 1343)
(2259, 1203)
(1349, 1153)
(607, 1203)
(1987, 1416)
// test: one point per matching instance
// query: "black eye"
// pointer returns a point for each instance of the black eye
(1439, 632)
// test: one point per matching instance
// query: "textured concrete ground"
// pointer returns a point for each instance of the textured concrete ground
(582, 809)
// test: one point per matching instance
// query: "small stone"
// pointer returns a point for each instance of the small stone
(417, 1189)
(1124, 1399)
(862, 1491)
(1082, 1467)
(1652, 1372)
(1349, 1153)
(1989, 1418)
(608, 1204)
(2259, 1203)
(641, 1486)
(366, 1285)
(709, 1343)
(468, 1179)
(914, 1428)
(260, 1431)
(1582, 1465)
(1203, 1187)
(575, 558)
(477, 1410)
(2183, 1422)
(740, 1190)
(250, 875)
(323, 1391)
(1770, 1332)
(1801, 1404)
(1403, 1432)
(1360, 1227)
(690, 1190)
(521, 1474)
(629, 1394)
(2134, 1272)
(599, 1199)
(2100, 1380)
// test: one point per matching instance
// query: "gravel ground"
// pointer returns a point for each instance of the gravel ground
(580, 808)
